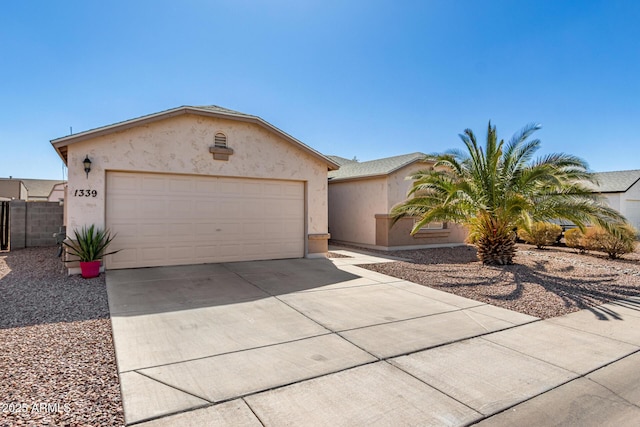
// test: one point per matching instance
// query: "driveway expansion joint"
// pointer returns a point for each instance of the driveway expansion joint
(393, 365)
(158, 417)
(561, 385)
(172, 386)
(252, 411)
(613, 391)
(488, 338)
(402, 306)
(225, 353)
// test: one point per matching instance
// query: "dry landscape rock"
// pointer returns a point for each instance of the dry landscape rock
(542, 283)
(57, 362)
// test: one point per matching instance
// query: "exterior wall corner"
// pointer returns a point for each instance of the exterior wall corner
(317, 244)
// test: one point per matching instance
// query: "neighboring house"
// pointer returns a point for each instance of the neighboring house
(41, 189)
(13, 189)
(361, 194)
(32, 190)
(57, 192)
(622, 191)
(197, 185)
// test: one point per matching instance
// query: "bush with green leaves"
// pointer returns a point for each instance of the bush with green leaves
(541, 234)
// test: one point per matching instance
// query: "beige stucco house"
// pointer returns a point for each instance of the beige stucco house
(622, 192)
(57, 192)
(33, 190)
(13, 189)
(361, 194)
(196, 185)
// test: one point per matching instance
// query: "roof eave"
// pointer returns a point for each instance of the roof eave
(619, 190)
(359, 177)
(60, 143)
(377, 175)
(634, 183)
(407, 164)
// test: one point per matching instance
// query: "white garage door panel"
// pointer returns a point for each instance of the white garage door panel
(172, 220)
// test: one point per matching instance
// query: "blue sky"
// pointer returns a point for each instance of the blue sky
(368, 79)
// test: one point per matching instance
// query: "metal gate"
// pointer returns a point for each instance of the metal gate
(4, 225)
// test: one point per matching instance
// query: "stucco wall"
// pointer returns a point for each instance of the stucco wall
(13, 189)
(399, 185)
(613, 200)
(353, 206)
(630, 205)
(358, 212)
(57, 193)
(399, 235)
(181, 145)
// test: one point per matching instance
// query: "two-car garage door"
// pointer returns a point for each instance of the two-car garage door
(174, 219)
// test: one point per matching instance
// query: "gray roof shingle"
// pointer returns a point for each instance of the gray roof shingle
(616, 181)
(608, 182)
(341, 160)
(353, 169)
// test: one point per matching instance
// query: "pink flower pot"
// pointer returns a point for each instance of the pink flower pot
(90, 269)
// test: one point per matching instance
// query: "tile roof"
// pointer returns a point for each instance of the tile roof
(616, 181)
(380, 167)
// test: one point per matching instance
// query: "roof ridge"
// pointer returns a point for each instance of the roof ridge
(616, 181)
(376, 167)
(620, 171)
(382, 159)
(220, 109)
(60, 144)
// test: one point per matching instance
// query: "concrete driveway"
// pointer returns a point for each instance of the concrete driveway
(325, 342)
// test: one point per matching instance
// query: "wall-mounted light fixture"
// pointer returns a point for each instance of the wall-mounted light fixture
(87, 165)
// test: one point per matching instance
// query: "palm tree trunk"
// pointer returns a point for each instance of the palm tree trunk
(496, 251)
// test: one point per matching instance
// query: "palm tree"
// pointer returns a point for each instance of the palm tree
(492, 190)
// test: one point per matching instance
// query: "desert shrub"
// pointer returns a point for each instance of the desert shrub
(599, 239)
(541, 234)
(593, 236)
(574, 238)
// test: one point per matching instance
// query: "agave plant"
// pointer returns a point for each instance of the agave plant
(494, 190)
(90, 244)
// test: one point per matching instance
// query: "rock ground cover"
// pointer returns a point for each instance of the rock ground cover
(542, 283)
(57, 362)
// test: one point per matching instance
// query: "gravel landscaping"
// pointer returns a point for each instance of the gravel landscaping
(57, 364)
(542, 283)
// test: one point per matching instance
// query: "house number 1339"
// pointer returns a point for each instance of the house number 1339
(85, 193)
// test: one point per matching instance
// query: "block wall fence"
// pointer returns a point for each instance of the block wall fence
(34, 223)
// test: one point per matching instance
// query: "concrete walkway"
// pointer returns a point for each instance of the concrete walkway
(325, 342)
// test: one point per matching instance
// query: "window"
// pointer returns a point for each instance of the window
(220, 140)
(431, 225)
